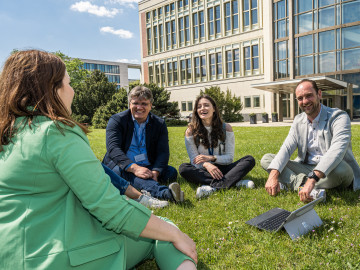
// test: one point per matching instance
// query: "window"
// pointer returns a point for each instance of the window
(170, 73)
(156, 39)
(203, 68)
(172, 8)
(247, 101)
(281, 19)
(256, 101)
(168, 35)
(183, 106)
(281, 60)
(157, 74)
(173, 34)
(148, 16)
(167, 10)
(151, 74)
(188, 70)
(214, 22)
(161, 37)
(251, 58)
(198, 26)
(351, 43)
(175, 73)
(181, 31)
(160, 10)
(149, 41)
(250, 13)
(232, 63)
(187, 30)
(190, 105)
(229, 63)
(185, 71)
(215, 66)
(182, 71)
(231, 16)
(162, 69)
(154, 14)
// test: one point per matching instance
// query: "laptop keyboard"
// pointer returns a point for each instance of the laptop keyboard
(274, 222)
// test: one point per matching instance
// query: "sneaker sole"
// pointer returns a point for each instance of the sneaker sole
(175, 191)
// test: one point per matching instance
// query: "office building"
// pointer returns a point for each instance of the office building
(257, 49)
(115, 71)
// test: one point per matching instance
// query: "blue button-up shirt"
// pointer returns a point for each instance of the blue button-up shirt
(138, 144)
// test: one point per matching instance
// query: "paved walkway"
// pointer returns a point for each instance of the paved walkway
(285, 123)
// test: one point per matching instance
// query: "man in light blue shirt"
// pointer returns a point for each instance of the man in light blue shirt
(138, 148)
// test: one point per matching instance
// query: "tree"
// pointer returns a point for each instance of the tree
(93, 92)
(75, 69)
(229, 105)
(161, 104)
(118, 103)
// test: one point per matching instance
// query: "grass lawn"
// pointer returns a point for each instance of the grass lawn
(217, 223)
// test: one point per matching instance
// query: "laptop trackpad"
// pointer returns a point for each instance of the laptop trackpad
(302, 224)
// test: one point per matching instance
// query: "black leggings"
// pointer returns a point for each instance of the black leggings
(233, 173)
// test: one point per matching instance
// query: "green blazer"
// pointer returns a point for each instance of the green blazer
(58, 209)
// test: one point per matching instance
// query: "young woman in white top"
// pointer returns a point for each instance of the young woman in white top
(210, 144)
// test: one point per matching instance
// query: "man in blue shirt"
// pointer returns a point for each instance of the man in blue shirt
(137, 147)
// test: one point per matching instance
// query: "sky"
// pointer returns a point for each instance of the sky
(91, 29)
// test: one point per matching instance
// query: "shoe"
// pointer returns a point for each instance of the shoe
(245, 183)
(147, 200)
(204, 191)
(317, 193)
(176, 192)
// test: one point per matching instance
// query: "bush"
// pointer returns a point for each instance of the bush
(175, 122)
(229, 105)
(118, 103)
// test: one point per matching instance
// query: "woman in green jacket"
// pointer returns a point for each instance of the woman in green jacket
(59, 209)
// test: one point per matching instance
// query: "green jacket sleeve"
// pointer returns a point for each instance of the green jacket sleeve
(70, 154)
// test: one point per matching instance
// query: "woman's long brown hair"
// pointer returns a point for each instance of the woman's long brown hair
(198, 129)
(28, 87)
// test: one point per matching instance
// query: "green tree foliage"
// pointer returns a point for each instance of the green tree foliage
(161, 104)
(229, 105)
(132, 84)
(93, 92)
(74, 68)
(118, 103)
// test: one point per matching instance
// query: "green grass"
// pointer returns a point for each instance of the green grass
(217, 224)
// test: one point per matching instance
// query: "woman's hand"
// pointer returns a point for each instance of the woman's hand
(213, 170)
(202, 158)
(186, 245)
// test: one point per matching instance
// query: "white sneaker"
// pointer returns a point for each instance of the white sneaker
(147, 200)
(204, 191)
(317, 193)
(245, 183)
(176, 192)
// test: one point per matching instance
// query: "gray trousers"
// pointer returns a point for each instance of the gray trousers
(295, 174)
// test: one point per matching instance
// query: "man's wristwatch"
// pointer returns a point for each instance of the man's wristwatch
(313, 176)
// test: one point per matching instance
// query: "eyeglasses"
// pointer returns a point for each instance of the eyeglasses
(308, 96)
(141, 104)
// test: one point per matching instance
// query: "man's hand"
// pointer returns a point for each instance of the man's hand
(141, 172)
(155, 175)
(203, 158)
(304, 193)
(272, 185)
(213, 170)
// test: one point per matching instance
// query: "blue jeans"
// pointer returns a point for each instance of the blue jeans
(155, 188)
(120, 183)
